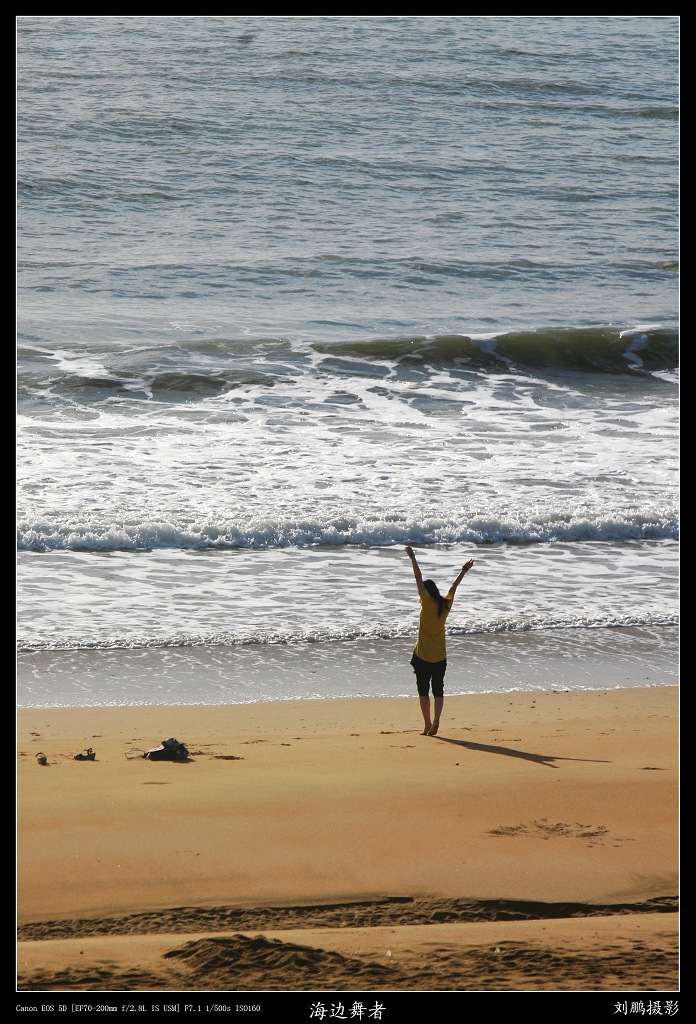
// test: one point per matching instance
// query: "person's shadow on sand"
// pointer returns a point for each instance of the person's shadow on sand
(524, 754)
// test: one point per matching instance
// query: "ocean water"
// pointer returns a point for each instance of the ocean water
(294, 292)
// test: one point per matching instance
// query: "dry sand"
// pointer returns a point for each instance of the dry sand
(327, 847)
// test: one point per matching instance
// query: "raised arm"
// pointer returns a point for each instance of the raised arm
(460, 577)
(416, 569)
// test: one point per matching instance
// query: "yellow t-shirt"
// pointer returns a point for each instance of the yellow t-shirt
(431, 629)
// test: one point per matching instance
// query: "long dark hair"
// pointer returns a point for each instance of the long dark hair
(442, 602)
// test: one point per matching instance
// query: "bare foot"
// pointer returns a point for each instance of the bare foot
(432, 731)
(426, 730)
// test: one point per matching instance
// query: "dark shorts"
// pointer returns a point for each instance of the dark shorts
(429, 673)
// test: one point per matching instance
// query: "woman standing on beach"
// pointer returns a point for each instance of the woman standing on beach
(429, 659)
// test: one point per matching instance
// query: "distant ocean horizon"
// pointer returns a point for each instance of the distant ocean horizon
(294, 292)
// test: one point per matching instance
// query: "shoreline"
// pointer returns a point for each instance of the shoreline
(486, 663)
(563, 803)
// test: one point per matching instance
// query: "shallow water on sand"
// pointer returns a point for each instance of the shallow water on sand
(545, 660)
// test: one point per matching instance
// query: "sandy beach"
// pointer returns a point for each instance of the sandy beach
(323, 846)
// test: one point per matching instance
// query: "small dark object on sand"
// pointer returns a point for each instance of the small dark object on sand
(89, 756)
